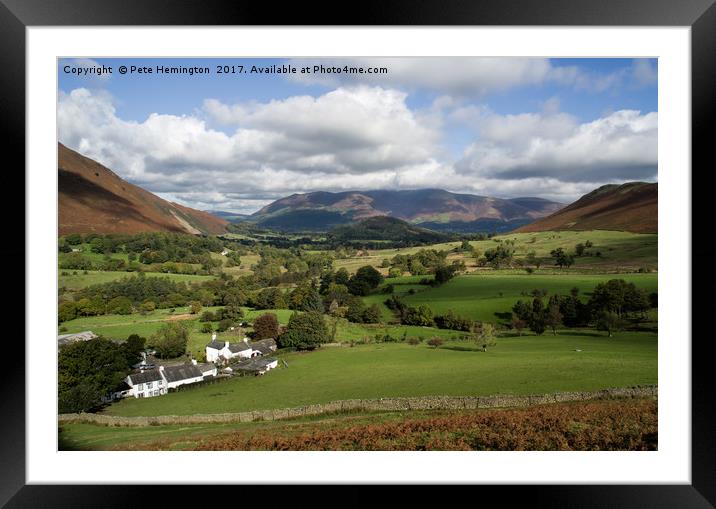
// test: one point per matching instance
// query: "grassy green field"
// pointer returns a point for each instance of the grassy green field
(619, 250)
(517, 365)
(480, 296)
(76, 279)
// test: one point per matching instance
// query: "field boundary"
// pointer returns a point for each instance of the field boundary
(351, 405)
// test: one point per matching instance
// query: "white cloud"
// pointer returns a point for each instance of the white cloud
(355, 138)
(621, 145)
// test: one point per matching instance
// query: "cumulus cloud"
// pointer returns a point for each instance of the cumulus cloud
(239, 157)
(364, 137)
(622, 145)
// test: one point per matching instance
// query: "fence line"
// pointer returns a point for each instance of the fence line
(382, 404)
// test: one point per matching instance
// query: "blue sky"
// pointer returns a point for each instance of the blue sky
(503, 127)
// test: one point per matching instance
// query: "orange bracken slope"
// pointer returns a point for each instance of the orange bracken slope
(631, 207)
(93, 199)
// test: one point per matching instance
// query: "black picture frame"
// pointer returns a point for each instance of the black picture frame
(700, 15)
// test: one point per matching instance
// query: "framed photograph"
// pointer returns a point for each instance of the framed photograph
(425, 248)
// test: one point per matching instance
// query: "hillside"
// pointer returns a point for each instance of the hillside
(631, 207)
(389, 229)
(93, 199)
(433, 208)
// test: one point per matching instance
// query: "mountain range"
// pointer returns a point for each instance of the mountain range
(435, 209)
(93, 199)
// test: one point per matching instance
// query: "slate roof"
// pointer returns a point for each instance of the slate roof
(153, 375)
(238, 347)
(181, 372)
(264, 345)
(206, 366)
(216, 345)
(255, 364)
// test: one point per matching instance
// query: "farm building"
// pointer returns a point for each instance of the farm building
(158, 381)
(181, 374)
(66, 339)
(147, 384)
(223, 351)
(263, 347)
(252, 366)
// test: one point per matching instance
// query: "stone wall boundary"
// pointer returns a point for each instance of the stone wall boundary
(370, 405)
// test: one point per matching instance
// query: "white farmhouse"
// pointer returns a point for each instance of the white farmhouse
(221, 351)
(147, 384)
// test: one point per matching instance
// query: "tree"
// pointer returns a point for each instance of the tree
(171, 340)
(67, 311)
(561, 258)
(618, 296)
(341, 277)
(206, 327)
(372, 314)
(305, 331)
(88, 370)
(370, 275)
(553, 317)
(133, 347)
(224, 324)
(486, 335)
(579, 249)
(444, 274)
(421, 315)
(609, 321)
(195, 307)
(148, 306)
(518, 324)
(537, 320)
(266, 326)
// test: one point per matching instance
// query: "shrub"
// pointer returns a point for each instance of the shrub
(435, 342)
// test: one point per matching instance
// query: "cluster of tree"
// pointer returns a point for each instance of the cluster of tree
(423, 262)
(561, 258)
(89, 370)
(501, 255)
(608, 308)
(422, 315)
(305, 331)
(453, 321)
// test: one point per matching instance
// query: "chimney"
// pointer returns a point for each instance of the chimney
(193, 361)
(213, 336)
(246, 340)
(161, 368)
(226, 344)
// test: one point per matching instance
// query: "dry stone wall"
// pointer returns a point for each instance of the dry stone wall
(353, 405)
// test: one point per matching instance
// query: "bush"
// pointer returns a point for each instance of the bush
(435, 342)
